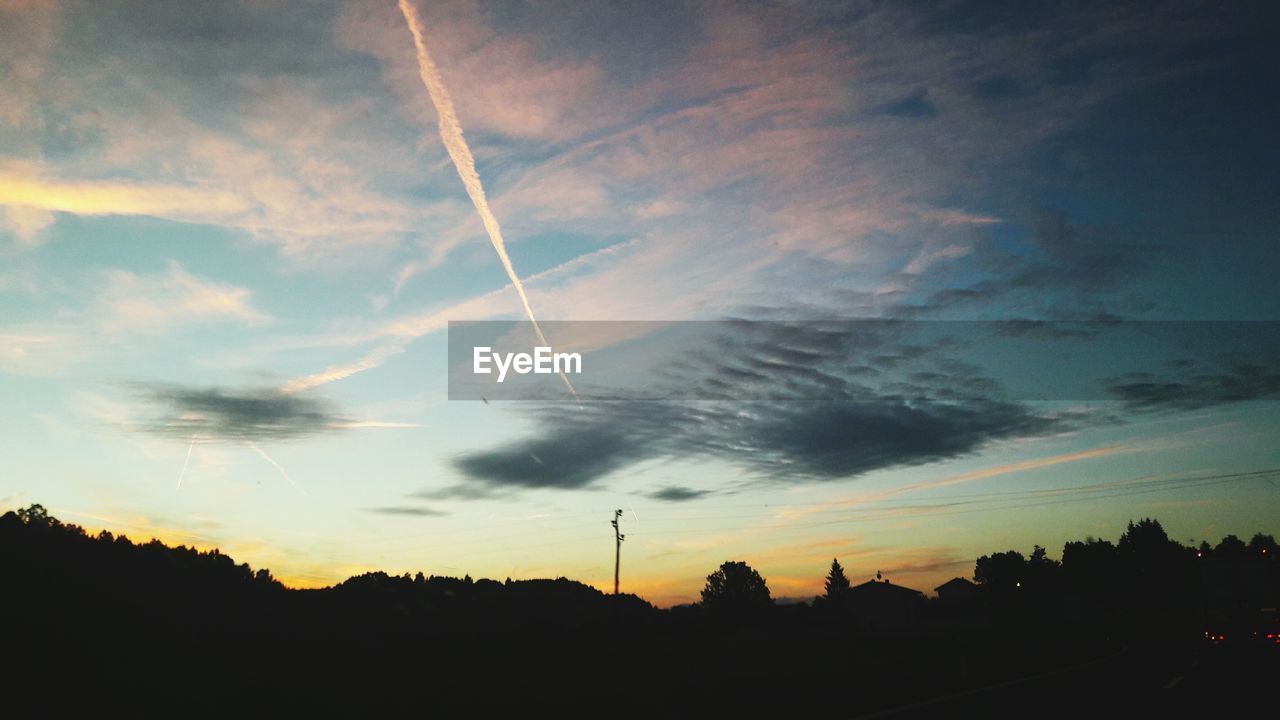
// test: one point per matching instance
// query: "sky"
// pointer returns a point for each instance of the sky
(233, 235)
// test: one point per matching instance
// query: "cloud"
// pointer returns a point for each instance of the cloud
(26, 223)
(141, 303)
(282, 137)
(464, 162)
(233, 415)
(116, 198)
(821, 401)
(915, 105)
(395, 335)
(121, 307)
(1059, 269)
(786, 402)
(461, 491)
(1020, 466)
(924, 260)
(764, 107)
(799, 442)
(743, 101)
(38, 349)
(517, 86)
(372, 359)
(28, 33)
(1147, 392)
(676, 493)
(567, 457)
(406, 511)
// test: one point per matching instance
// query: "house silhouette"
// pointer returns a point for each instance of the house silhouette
(957, 591)
(879, 603)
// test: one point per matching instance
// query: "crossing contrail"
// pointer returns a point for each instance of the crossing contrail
(465, 163)
(284, 473)
(184, 462)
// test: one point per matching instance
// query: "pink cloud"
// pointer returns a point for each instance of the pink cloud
(502, 83)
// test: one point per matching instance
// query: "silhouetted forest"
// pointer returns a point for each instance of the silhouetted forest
(100, 622)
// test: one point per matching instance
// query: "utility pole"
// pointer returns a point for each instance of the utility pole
(617, 555)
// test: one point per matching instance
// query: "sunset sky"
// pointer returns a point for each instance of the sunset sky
(232, 237)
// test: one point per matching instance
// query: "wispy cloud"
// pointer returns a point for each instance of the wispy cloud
(39, 349)
(117, 198)
(157, 303)
(394, 336)
(122, 310)
(1021, 466)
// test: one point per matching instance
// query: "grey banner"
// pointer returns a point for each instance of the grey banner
(1133, 362)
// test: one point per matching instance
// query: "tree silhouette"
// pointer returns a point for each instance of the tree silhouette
(1231, 547)
(1261, 544)
(76, 592)
(735, 587)
(837, 585)
(1144, 539)
(1001, 571)
(34, 515)
(1089, 565)
(1155, 571)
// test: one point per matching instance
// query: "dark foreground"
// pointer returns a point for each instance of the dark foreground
(99, 625)
(1169, 681)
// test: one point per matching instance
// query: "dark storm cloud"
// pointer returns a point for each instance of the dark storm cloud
(676, 493)
(569, 455)
(1151, 393)
(244, 414)
(828, 400)
(806, 415)
(406, 510)
(784, 442)
(455, 492)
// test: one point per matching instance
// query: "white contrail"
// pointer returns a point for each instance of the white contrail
(372, 359)
(184, 462)
(408, 329)
(465, 163)
(276, 465)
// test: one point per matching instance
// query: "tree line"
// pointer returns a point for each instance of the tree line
(146, 623)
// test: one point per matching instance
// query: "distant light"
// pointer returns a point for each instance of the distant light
(1017, 584)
